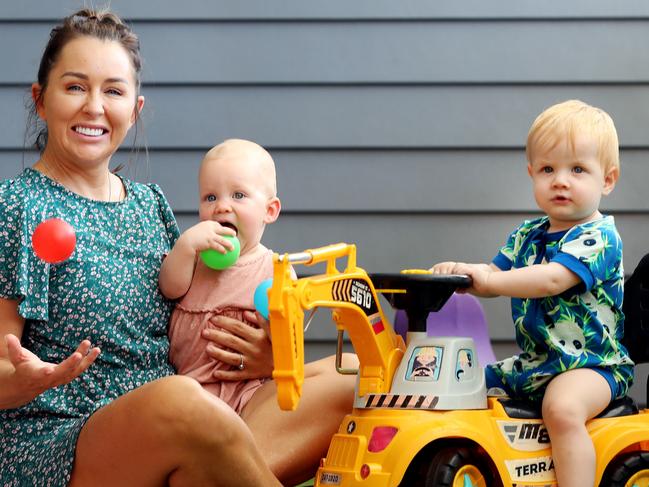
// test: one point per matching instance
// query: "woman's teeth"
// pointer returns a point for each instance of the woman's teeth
(88, 131)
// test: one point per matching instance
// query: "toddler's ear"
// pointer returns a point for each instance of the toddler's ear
(610, 178)
(273, 208)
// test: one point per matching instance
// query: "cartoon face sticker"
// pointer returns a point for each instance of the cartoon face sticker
(464, 365)
(424, 364)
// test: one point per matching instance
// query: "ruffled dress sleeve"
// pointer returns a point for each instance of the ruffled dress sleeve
(166, 214)
(23, 276)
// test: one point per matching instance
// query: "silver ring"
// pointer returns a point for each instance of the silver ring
(241, 366)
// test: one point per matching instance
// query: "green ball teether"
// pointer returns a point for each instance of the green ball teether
(217, 260)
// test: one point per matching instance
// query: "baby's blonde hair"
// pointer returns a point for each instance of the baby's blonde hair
(240, 147)
(571, 119)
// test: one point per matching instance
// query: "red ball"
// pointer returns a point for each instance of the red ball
(54, 240)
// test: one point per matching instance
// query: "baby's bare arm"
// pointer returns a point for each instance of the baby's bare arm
(178, 267)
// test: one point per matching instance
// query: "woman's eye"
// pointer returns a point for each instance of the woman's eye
(211, 198)
(113, 91)
(238, 195)
(74, 88)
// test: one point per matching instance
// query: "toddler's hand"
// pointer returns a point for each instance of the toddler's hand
(444, 268)
(479, 274)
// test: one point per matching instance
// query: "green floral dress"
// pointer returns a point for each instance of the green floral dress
(106, 292)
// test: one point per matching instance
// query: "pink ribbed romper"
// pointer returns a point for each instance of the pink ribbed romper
(212, 293)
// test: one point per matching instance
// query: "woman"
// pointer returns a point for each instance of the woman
(114, 413)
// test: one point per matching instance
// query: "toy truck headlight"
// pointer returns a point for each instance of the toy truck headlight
(381, 438)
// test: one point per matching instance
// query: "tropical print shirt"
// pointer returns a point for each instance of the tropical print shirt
(580, 327)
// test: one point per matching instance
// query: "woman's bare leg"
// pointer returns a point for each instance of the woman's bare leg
(293, 442)
(168, 432)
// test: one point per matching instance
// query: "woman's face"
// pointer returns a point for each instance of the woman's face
(90, 102)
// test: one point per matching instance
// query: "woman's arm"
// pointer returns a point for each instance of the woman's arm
(178, 266)
(23, 376)
(10, 323)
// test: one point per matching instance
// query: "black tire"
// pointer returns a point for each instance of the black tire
(623, 468)
(445, 465)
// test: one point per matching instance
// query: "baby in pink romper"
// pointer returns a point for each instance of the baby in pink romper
(238, 196)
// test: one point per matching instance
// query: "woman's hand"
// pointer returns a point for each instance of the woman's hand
(236, 340)
(32, 376)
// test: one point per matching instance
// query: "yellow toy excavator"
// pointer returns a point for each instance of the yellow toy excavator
(421, 416)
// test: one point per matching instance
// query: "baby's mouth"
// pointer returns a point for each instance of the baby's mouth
(230, 225)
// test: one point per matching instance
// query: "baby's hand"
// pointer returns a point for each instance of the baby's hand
(206, 235)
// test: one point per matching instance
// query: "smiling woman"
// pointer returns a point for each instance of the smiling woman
(87, 395)
(88, 108)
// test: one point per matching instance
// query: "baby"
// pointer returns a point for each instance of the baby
(238, 196)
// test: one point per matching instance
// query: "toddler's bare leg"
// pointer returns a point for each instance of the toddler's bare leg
(571, 399)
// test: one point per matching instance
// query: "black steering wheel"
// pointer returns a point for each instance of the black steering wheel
(423, 293)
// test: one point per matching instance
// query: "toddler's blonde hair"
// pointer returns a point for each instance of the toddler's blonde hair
(571, 119)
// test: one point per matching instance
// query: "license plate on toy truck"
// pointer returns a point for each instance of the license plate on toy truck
(327, 478)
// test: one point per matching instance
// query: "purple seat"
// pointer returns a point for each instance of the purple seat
(461, 315)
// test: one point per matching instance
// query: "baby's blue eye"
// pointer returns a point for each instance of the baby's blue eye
(211, 198)
(579, 170)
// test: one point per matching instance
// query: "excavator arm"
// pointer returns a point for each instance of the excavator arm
(355, 310)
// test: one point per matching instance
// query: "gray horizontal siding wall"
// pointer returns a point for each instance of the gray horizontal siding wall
(399, 126)
(335, 9)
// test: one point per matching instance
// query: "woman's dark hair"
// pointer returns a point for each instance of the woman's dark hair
(99, 24)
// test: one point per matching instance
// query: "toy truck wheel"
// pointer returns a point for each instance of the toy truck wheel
(629, 471)
(458, 467)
